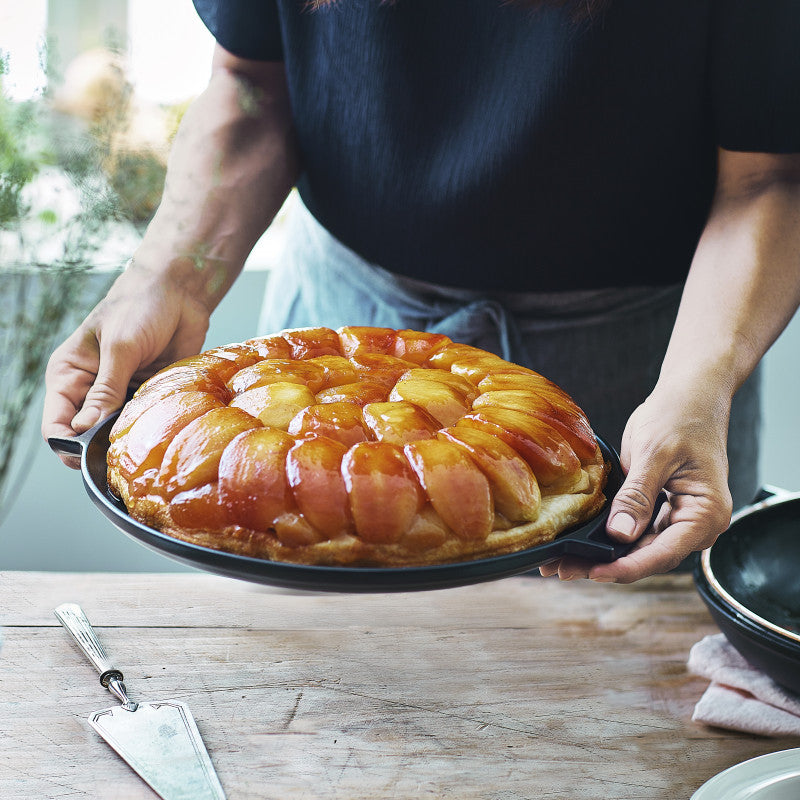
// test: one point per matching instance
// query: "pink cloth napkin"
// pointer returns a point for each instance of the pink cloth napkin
(740, 697)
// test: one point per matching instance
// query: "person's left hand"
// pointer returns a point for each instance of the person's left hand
(676, 443)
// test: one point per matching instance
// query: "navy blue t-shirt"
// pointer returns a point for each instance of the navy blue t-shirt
(478, 144)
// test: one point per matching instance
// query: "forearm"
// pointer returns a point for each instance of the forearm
(231, 167)
(744, 283)
(742, 289)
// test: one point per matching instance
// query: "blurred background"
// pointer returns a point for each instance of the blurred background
(92, 93)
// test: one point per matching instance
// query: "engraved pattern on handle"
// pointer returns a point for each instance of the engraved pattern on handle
(73, 618)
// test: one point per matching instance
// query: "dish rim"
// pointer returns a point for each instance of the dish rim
(757, 771)
(719, 589)
(588, 540)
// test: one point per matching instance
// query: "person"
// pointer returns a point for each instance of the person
(611, 198)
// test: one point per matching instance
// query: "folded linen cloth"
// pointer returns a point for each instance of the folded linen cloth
(740, 697)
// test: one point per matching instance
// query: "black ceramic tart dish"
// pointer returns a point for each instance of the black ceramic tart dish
(587, 541)
(750, 581)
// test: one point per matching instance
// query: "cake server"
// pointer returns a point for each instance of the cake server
(158, 740)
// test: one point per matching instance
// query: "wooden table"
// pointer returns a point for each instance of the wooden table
(522, 688)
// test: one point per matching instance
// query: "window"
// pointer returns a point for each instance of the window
(168, 47)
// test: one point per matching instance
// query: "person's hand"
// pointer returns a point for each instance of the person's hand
(676, 443)
(147, 320)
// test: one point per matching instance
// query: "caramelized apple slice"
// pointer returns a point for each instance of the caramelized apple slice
(442, 402)
(574, 428)
(363, 339)
(471, 362)
(312, 342)
(458, 490)
(294, 530)
(399, 423)
(252, 478)
(274, 346)
(277, 370)
(513, 484)
(476, 368)
(275, 404)
(240, 353)
(143, 447)
(336, 370)
(220, 362)
(518, 399)
(427, 531)
(134, 409)
(502, 381)
(200, 509)
(185, 378)
(313, 467)
(339, 421)
(380, 368)
(547, 453)
(446, 356)
(418, 346)
(143, 484)
(457, 382)
(193, 456)
(383, 493)
(359, 393)
(149, 395)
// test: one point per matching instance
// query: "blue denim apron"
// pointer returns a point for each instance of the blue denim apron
(604, 347)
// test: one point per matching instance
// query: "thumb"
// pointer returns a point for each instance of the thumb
(634, 505)
(107, 393)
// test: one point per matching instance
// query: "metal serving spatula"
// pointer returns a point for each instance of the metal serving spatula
(159, 740)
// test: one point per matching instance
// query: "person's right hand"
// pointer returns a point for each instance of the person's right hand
(147, 320)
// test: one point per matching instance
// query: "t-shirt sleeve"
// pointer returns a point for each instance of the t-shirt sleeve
(755, 74)
(246, 28)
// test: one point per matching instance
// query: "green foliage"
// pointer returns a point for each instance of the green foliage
(48, 247)
(113, 182)
(17, 167)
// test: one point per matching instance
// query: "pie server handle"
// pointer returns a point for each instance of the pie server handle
(73, 618)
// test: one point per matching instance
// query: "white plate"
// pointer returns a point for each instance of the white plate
(775, 776)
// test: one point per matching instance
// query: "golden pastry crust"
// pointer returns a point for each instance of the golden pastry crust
(356, 447)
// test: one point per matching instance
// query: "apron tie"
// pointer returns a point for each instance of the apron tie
(467, 324)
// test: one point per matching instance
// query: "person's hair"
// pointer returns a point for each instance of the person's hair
(579, 9)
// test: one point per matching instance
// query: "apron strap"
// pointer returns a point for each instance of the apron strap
(470, 321)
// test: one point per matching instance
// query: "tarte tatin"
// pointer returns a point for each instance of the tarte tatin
(361, 446)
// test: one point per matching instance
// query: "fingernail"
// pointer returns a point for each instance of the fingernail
(85, 418)
(623, 524)
(603, 579)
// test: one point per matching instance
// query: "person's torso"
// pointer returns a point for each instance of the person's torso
(476, 143)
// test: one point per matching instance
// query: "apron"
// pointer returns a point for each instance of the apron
(604, 347)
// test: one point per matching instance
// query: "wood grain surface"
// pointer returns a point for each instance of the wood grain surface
(518, 689)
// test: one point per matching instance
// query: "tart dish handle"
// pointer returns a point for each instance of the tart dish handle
(75, 445)
(618, 549)
(70, 445)
(768, 491)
